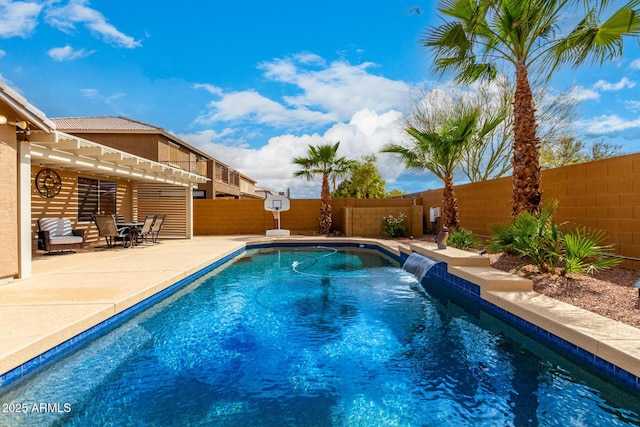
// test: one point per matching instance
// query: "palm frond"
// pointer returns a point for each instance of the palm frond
(595, 42)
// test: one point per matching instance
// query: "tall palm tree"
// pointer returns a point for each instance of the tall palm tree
(439, 146)
(322, 160)
(483, 34)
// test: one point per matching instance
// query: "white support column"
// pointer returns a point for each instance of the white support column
(24, 211)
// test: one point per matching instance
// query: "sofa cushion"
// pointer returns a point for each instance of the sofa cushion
(57, 227)
(65, 240)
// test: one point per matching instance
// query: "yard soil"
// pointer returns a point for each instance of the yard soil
(609, 293)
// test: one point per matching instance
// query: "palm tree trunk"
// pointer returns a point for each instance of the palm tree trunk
(526, 156)
(450, 216)
(325, 207)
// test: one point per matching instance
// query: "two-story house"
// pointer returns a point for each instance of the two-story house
(154, 143)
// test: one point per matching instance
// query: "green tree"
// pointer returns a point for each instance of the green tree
(563, 152)
(341, 169)
(438, 146)
(569, 151)
(484, 34)
(396, 193)
(604, 150)
(363, 181)
(321, 160)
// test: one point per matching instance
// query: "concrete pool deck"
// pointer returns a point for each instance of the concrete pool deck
(69, 294)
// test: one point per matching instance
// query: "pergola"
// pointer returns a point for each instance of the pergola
(58, 149)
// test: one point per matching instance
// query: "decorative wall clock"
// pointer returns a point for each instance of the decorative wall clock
(48, 183)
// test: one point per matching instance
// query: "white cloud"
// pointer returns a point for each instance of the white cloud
(19, 18)
(606, 124)
(67, 53)
(215, 90)
(76, 12)
(109, 99)
(2, 53)
(89, 93)
(341, 88)
(579, 94)
(633, 106)
(253, 107)
(363, 111)
(635, 64)
(606, 86)
(271, 165)
(326, 94)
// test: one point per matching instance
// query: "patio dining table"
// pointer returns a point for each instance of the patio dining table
(134, 230)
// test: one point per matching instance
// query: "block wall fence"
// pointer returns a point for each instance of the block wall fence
(603, 194)
(357, 217)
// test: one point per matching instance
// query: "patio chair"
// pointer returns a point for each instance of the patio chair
(145, 231)
(119, 218)
(55, 235)
(108, 228)
(156, 227)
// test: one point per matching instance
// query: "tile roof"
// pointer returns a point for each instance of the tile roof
(104, 123)
(115, 125)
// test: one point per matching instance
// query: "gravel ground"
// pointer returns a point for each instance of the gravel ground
(608, 293)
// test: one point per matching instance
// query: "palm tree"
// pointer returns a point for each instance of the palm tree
(525, 33)
(322, 160)
(439, 146)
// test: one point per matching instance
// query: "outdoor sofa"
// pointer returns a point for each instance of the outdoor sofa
(56, 235)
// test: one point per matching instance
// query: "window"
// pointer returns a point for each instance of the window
(95, 197)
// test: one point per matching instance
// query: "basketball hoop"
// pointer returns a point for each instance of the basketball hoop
(277, 204)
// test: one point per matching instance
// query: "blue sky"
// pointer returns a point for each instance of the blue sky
(253, 83)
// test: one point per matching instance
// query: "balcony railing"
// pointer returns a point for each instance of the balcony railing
(197, 167)
(227, 176)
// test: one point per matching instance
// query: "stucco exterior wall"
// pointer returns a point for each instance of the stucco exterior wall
(9, 233)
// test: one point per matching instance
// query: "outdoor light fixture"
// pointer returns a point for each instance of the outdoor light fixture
(20, 125)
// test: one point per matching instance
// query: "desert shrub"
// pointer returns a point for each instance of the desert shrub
(584, 253)
(394, 226)
(536, 236)
(461, 238)
(530, 235)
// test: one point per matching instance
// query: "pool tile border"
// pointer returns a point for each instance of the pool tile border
(471, 290)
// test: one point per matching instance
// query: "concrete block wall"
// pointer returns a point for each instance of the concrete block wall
(222, 216)
(367, 222)
(603, 195)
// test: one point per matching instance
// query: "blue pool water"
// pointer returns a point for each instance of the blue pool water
(315, 337)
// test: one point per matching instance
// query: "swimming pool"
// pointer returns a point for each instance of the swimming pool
(315, 336)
